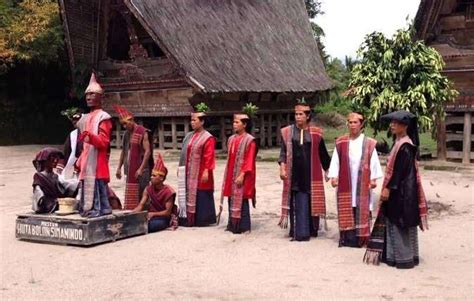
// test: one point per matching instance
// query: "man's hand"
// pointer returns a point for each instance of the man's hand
(283, 223)
(205, 176)
(149, 216)
(138, 173)
(334, 182)
(118, 174)
(283, 175)
(373, 184)
(240, 180)
(385, 194)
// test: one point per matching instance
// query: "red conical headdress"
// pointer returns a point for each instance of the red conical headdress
(123, 113)
(159, 168)
(94, 86)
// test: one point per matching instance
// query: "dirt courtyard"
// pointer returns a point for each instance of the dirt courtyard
(210, 263)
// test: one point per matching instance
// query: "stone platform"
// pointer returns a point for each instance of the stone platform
(76, 230)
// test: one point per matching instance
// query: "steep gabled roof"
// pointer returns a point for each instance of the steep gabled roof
(237, 45)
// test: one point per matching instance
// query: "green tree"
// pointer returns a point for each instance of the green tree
(313, 8)
(399, 74)
(34, 74)
(30, 31)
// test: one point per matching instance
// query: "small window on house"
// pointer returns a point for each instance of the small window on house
(146, 41)
(118, 41)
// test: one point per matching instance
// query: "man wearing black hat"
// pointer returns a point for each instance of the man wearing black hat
(394, 236)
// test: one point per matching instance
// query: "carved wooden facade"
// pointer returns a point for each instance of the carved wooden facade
(448, 26)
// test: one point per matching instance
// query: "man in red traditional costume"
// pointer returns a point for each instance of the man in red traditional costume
(354, 169)
(93, 163)
(303, 155)
(239, 176)
(136, 157)
(158, 198)
(195, 174)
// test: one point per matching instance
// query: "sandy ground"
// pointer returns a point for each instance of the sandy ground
(209, 263)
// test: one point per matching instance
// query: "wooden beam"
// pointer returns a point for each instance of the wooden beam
(466, 144)
(161, 134)
(456, 137)
(118, 134)
(174, 139)
(222, 134)
(456, 155)
(441, 142)
(186, 127)
(454, 120)
(278, 128)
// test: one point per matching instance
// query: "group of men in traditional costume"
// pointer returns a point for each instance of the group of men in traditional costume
(304, 167)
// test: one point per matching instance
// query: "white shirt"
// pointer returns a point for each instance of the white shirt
(355, 154)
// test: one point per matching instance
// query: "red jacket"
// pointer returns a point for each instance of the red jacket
(208, 162)
(248, 167)
(101, 142)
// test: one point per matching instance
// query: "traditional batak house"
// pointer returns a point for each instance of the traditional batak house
(158, 58)
(448, 26)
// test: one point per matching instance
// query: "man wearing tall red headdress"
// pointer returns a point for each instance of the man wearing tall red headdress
(354, 169)
(239, 176)
(136, 157)
(159, 199)
(93, 163)
(303, 155)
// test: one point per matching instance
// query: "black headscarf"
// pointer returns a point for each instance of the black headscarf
(43, 155)
(409, 119)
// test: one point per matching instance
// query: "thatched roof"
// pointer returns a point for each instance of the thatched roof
(237, 45)
(426, 17)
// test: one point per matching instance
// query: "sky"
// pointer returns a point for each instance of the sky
(346, 22)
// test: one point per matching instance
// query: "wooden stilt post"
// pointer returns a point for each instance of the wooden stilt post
(278, 127)
(467, 139)
(222, 134)
(270, 131)
(174, 139)
(441, 143)
(262, 130)
(161, 134)
(186, 127)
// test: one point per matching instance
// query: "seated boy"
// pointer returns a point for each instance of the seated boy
(159, 199)
(46, 185)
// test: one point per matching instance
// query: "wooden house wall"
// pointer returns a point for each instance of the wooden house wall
(80, 22)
